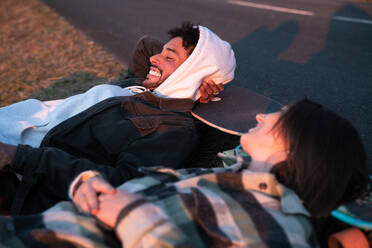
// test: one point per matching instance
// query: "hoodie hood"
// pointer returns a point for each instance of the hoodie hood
(212, 59)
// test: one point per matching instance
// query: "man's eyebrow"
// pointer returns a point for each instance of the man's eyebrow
(172, 50)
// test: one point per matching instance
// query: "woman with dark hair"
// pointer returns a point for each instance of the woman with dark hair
(326, 162)
(305, 161)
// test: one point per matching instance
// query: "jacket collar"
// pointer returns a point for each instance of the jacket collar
(289, 200)
(175, 104)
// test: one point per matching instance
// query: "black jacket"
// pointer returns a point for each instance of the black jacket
(114, 137)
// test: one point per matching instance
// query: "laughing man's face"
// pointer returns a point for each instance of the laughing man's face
(165, 63)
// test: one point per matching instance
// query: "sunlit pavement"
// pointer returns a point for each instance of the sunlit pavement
(284, 49)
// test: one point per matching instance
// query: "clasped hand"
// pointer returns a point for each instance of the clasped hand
(99, 198)
(208, 90)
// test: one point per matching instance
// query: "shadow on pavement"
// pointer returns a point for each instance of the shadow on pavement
(335, 77)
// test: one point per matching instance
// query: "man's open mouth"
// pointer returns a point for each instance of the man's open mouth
(154, 73)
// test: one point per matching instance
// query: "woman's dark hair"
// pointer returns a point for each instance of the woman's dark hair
(189, 34)
(326, 162)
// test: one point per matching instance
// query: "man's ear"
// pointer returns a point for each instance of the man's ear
(190, 49)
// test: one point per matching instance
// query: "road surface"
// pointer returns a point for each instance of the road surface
(285, 49)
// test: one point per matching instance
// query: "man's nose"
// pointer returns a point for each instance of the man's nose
(154, 60)
(260, 117)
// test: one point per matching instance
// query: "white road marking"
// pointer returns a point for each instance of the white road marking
(294, 11)
(349, 19)
(270, 7)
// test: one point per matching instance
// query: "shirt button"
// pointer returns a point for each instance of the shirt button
(262, 186)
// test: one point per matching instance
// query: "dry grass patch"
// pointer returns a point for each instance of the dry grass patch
(39, 47)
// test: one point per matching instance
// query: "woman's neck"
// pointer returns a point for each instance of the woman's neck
(265, 165)
(259, 166)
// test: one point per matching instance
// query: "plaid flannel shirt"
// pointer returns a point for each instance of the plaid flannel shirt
(220, 207)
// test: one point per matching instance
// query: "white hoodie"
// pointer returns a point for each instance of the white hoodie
(27, 122)
(212, 59)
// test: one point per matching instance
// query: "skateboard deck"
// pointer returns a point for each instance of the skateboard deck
(357, 213)
(235, 112)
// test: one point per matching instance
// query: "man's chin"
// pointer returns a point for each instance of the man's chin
(150, 85)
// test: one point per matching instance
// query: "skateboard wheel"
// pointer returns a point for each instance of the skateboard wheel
(349, 238)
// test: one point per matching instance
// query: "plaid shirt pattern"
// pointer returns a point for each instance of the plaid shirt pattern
(219, 207)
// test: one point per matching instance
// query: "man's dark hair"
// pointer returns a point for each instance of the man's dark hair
(326, 163)
(189, 34)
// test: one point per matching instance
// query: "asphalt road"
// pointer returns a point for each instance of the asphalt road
(285, 49)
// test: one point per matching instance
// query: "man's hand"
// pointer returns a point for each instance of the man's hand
(110, 206)
(208, 90)
(7, 153)
(86, 196)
